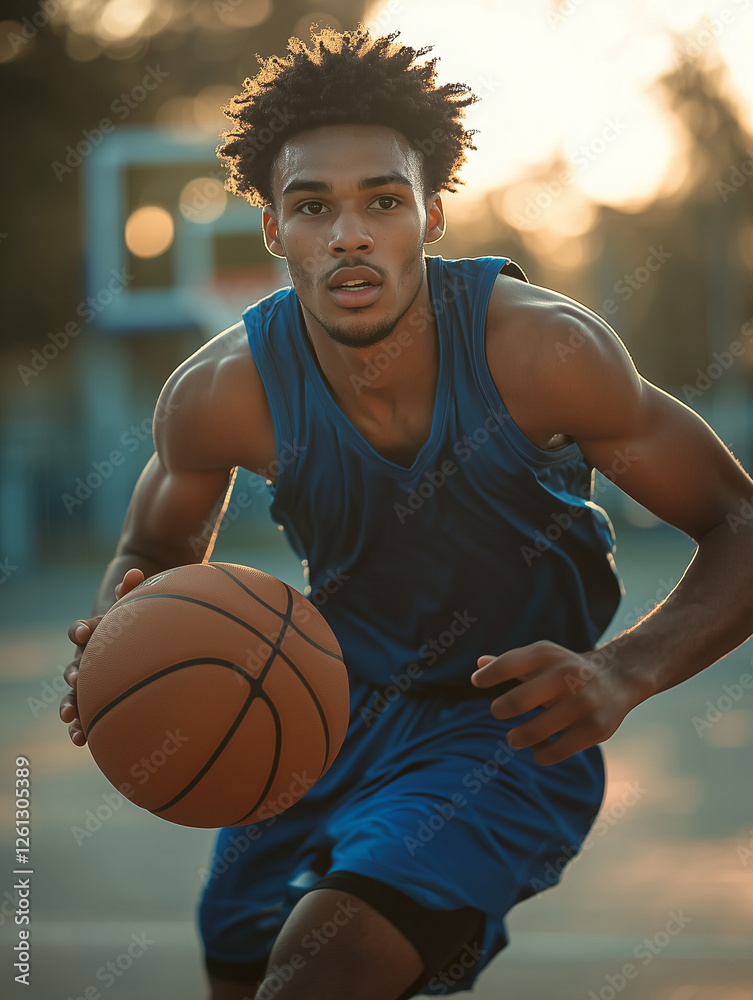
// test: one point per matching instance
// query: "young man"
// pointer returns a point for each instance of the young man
(425, 433)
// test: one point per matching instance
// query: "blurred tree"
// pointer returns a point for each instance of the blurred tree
(672, 317)
(700, 302)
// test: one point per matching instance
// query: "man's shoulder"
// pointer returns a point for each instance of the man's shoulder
(524, 322)
(531, 320)
(216, 363)
(217, 393)
(531, 332)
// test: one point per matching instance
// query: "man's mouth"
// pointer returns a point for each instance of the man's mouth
(355, 287)
(355, 296)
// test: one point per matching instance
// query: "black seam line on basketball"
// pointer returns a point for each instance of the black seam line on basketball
(181, 665)
(260, 635)
(286, 622)
(275, 763)
(269, 607)
(320, 710)
(219, 610)
(276, 650)
(217, 751)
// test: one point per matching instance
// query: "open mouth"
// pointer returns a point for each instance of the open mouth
(361, 283)
(354, 288)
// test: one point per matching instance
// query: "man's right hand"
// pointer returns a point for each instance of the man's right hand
(79, 633)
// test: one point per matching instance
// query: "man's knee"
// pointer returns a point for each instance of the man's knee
(335, 945)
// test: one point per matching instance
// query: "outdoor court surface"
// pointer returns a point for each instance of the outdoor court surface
(675, 845)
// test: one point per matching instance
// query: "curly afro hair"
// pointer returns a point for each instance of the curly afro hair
(345, 78)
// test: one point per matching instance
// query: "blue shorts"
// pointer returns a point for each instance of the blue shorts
(424, 796)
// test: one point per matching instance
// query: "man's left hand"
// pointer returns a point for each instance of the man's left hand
(585, 697)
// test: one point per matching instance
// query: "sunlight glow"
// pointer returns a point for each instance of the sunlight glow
(123, 18)
(576, 81)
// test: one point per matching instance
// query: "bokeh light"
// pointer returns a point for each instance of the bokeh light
(202, 200)
(122, 18)
(82, 48)
(203, 111)
(149, 231)
(248, 14)
(115, 27)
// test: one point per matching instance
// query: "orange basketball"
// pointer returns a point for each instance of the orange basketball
(213, 695)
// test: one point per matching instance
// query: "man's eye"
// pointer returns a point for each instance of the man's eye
(312, 208)
(386, 201)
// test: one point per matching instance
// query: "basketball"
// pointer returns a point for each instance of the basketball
(213, 695)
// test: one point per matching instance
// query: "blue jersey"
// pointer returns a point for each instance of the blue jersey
(485, 543)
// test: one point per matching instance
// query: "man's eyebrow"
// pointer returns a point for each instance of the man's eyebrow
(382, 181)
(304, 185)
(321, 187)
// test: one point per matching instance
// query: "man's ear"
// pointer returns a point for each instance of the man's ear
(435, 220)
(269, 227)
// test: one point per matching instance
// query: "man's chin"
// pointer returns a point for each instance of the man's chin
(359, 332)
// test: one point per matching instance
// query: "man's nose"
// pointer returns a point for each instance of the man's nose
(349, 235)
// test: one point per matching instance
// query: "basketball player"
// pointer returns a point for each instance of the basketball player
(430, 428)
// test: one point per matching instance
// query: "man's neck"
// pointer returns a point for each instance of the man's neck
(385, 379)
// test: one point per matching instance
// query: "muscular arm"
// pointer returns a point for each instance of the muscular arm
(212, 416)
(675, 465)
(160, 491)
(178, 495)
(172, 513)
(665, 456)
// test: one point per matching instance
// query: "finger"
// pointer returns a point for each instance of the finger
(68, 708)
(532, 693)
(545, 726)
(76, 734)
(515, 663)
(70, 674)
(80, 630)
(131, 579)
(577, 738)
(483, 660)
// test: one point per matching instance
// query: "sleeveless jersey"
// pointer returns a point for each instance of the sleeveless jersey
(485, 543)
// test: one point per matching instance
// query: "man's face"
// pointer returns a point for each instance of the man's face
(351, 219)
